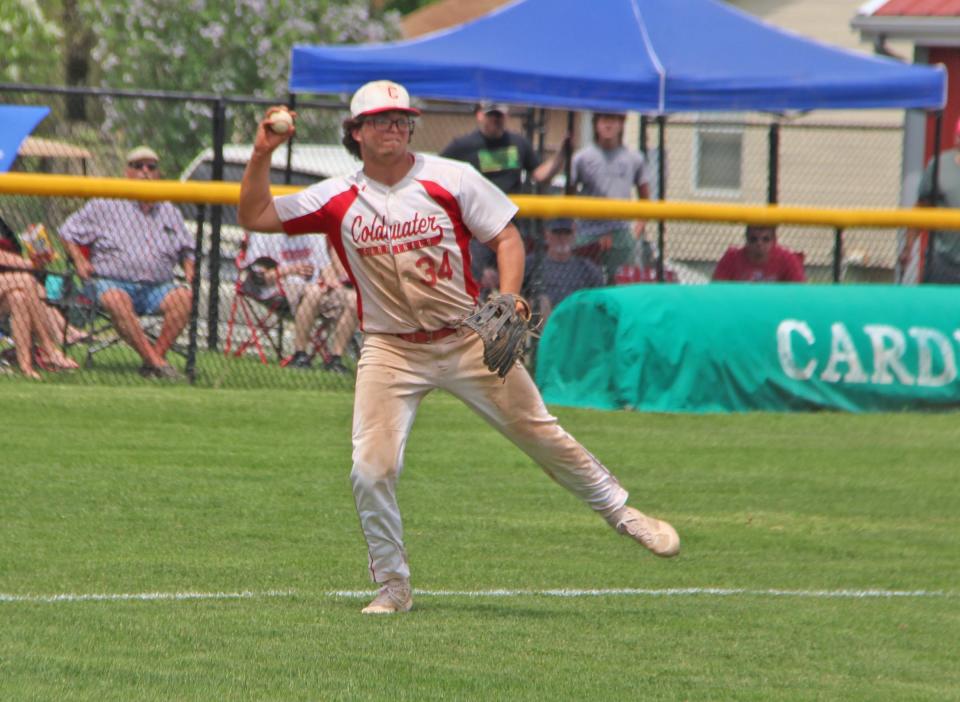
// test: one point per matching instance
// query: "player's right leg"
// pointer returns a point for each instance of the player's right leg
(389, 388)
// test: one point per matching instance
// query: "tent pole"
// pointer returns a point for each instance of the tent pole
(935, 189)
(773, 162)
(661, 190)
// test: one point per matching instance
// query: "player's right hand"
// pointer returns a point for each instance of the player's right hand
(267, 139)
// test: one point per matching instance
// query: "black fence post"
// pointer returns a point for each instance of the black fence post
(661, 192)
(288, 171)
(837, 254)
(195, 299)
(773, 163)
(216, 220)
(568, 160)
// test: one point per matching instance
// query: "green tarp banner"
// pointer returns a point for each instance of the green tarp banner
(742, 347)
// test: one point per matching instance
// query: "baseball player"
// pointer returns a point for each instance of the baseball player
(402, 227)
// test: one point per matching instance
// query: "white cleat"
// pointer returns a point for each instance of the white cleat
(653, 534)
(393, 597)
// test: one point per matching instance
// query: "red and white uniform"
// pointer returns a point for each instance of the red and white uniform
(406, 247)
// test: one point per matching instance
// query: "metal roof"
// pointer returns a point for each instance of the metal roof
(919, 8)
(923, 22)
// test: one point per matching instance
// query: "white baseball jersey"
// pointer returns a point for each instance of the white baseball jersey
(405, 247)
(287, 250)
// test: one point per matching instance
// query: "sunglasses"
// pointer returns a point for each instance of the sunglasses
(383, 124)
(754, 238)
(140, 165)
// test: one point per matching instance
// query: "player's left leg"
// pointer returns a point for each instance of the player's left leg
(515, 408)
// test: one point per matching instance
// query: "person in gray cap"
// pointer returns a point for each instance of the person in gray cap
(502, 156)
(126, 252)
(558, 273)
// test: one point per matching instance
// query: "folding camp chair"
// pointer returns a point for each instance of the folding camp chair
(84, 311)
(260, 311)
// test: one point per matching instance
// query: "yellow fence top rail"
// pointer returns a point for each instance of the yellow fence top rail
(223, 193)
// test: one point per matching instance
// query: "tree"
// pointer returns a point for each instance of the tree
(239, 48)
(236, 48)
(30, 38)
(404, 7)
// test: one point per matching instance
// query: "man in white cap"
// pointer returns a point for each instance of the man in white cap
(127, 252)
(402, 227)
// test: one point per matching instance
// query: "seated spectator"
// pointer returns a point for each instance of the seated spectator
(134, 248)
(301, 270)
(29, 318)
(558, 273)
(760, 260)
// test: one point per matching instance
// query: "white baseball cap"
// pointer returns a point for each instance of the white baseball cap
(142, 153)
(380, 96)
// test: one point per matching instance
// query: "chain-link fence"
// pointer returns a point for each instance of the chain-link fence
(232, 333)
(760, 160)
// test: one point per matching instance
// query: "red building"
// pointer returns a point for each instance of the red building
(933, 27)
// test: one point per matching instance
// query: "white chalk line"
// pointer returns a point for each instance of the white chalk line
(666, 592)
(497, 593)
(143, 596)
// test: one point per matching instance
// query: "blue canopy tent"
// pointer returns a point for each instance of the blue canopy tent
(652, 56)
(16, 123)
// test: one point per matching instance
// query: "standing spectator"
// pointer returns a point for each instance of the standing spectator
(761, 260)
(502, 157)
(133, 250)
(559, 273)
(943, 249)
(607, 168)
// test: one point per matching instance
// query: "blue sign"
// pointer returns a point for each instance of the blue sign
(16, 123)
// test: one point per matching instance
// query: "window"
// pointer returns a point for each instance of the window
(718, 157)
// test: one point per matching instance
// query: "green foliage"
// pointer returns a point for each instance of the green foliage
(405, 7)
(30, 44)
(235, 48)
(170, 489)
(223, 48)
(240, 48)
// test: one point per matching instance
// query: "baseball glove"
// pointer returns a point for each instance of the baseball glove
(503, 331)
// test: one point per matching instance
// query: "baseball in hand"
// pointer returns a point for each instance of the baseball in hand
(280, 122)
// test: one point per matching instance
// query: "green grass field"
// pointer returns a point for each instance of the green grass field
(216, 528)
